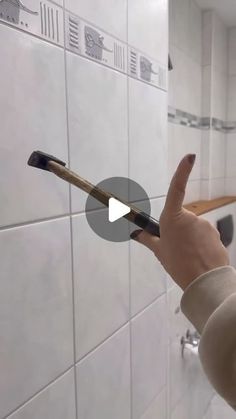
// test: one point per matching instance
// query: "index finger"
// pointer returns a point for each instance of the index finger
(176, 192)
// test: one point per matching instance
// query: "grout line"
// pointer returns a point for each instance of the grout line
(96, 347)
(59, 217)
(153, 399)
(71, 224)
(38, 392)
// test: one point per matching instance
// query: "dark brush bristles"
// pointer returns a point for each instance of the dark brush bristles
(40, 160)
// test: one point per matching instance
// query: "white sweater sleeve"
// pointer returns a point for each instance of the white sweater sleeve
(209, 303)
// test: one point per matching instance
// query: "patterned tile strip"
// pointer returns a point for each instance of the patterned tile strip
(177, 116)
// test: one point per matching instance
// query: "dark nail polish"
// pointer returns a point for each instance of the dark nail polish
(191, 158)
(135, 234)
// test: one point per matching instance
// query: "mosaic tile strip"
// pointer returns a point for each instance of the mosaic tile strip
(177, 116)
(39, 18)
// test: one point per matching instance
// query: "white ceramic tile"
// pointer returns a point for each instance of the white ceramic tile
(180, 411)
(205, 189)
(101, 286)
(207, 37)
(104, 380)
(110, 16)
(219, 95)
(98, 130)
(207, 91)
(220, 409)
(181, 24)
(180, 79)
(195, 32)
(57, 401)
(208, 414)
(186, 73)
(220, 47)
(31, 122)
(232, 52)
(149, 360)
(171, 23)
(181, 372)
(43, 19)
(154, 15)
(205, 154)
(171, 82)
(184, 140)
(231, 98)
(148, 137)
(157, 409)
(230, 186)
(212, 188)
(217, 188)
(178, 323)
(217, 154)
(148, 278)
(230, 155)
(35, 309)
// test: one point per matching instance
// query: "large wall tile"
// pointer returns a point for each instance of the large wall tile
(154, 15)
(181, 24)
(220, 409)
(97, 100)
(219, 95)
(148, 278)
(207, 37)
(220, 47)
(232, 98)
(110, 16)
(195, 32)
(57, 401)
(232, 52)
(149, 360)
(35, 309)
(184, 140)
(104, 380)
(32, 105)
(230, 156)
(157, 409)
(148, 137)
(101, 286)
(217, 154)
(230, 186)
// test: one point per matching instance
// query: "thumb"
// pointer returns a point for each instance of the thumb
(148, 240)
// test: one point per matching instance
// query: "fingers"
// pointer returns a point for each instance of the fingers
(176, 192)
(148, 240)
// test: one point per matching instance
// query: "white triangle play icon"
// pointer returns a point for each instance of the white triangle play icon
(117, 210)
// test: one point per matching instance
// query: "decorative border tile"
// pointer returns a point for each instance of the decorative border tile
(40, 18)
(86, 40)
(45, 20)
(142, 67)
(177, 116)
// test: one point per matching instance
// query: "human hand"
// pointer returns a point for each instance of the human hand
(188, 245)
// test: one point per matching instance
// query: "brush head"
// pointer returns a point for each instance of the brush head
(40, 160)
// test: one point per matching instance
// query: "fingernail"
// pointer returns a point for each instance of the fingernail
(191, 158)
(135, 234)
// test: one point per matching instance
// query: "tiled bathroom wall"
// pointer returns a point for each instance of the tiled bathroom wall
(214, 106)
(185, 83)
(230, 185)
(83, 321)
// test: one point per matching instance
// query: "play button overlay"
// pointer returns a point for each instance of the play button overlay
(117, 210)
(109, 222)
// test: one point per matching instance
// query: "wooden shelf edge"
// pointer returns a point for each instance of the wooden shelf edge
(201, 207)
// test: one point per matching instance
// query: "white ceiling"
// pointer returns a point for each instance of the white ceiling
(225, 8)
